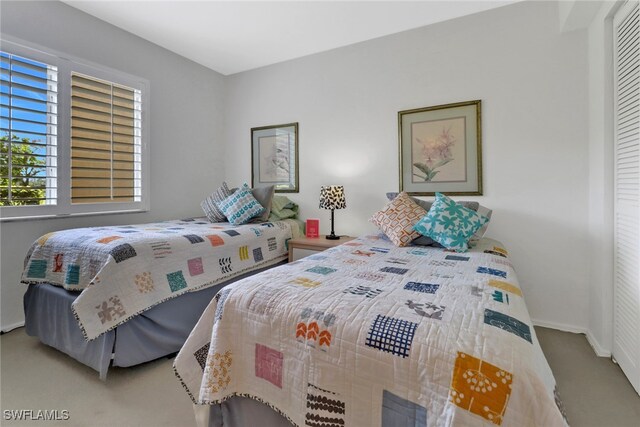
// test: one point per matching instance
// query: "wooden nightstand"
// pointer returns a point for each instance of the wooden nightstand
(304, 246)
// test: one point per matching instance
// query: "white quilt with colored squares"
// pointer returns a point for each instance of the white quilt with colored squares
(369, 334)
(125, 270)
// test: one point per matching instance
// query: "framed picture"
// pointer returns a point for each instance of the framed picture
(441, 150)
(274, 157)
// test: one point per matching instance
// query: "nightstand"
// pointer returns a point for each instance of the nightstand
(305, 246)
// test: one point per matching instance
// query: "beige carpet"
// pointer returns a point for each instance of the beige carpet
(34, 376)
(594, 390)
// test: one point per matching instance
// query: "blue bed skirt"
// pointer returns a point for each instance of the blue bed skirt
(241, 411)
(157, 332)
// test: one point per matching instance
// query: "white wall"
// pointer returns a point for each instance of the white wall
(186, 126)
(544, 127)
(600, 325)
(532, 81)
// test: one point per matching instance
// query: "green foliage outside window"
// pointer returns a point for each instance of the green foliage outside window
(28, 183)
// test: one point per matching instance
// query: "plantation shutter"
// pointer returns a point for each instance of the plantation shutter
(105, 141)
(626, 345)
(28, 131)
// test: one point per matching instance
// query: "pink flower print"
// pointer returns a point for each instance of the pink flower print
(436, 152)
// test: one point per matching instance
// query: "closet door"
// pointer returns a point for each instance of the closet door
(626, 342)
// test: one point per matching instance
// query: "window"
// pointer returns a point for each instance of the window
(73, 136)
(105, 141)
(28, 114)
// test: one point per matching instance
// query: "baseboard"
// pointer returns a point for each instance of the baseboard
(11, 327)
(595, 345)
(559, 326)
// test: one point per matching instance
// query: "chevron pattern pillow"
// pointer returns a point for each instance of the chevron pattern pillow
(210, 204)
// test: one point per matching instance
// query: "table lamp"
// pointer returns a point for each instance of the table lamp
(332, 197)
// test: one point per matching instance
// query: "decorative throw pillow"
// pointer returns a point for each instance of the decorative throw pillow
(397, 219)
(426, 205)
(264, 195)
(450, 224)
(241, 206)
(486, 212)
(210, 204)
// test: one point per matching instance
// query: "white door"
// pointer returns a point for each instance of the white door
(626, 342)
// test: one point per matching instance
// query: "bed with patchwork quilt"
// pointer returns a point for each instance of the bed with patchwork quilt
(149, 280)
(370, 334)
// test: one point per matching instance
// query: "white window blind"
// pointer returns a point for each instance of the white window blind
(74, 136)
(626, 345)
(28, 131)
(105, 141)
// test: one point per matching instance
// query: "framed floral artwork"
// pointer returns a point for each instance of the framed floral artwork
(441, 149)
(274, 157)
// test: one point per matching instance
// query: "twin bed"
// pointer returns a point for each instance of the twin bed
(370, 334)
(126, 295)
(366, 333)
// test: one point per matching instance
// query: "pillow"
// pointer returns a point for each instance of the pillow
(241, 206)
(425, 241)
(210, 204)
(486, 212)
(264, 195)
(397, 219)
(426, 205)
(450, 224)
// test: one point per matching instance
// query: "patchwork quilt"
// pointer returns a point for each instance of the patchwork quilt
(369, 334)
(125, 270)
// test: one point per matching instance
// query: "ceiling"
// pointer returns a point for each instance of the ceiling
(235, 36)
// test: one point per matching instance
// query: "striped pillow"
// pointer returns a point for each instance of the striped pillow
(210, 204)
(241, 206)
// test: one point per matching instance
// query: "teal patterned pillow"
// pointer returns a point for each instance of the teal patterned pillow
(241, 206)
(450, 224)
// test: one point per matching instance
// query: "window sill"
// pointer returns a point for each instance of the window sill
(73, 215)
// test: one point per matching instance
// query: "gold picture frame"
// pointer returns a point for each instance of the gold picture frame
(440, 149)
(274, 157)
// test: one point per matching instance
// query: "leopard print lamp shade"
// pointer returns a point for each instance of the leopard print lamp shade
(332, 197)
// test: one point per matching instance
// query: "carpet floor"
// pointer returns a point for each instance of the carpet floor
(34, 376)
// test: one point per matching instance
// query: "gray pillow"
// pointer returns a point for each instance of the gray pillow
(478, 234)
(426, 205)
(264, 196)
(425, 241)
(210, 204)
